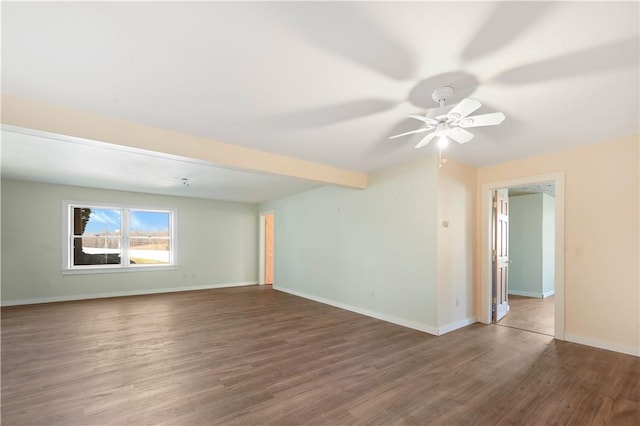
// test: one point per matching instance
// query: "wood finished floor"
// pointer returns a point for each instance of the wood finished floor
(256, 356)
(531, 314)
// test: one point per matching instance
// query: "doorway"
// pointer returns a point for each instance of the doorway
(486, 252)
(266, 250)
(531, 245)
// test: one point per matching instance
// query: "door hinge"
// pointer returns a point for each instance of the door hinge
(495, 301)
(495, 204)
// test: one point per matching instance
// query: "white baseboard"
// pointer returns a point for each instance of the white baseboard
(121, 293)
(616, 347)
(531, 294)
(525, 293)
(456, 325)
(384, 317)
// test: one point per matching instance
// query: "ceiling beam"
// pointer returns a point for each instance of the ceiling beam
(36, 115)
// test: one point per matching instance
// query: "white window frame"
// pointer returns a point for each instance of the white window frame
(67, 237)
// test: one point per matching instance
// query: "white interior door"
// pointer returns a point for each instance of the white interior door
(500, 254)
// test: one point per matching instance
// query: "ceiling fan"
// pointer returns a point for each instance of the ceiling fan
(453, 124)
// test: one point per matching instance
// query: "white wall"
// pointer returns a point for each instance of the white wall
(456, 204)
(372, 251)
(217, 245)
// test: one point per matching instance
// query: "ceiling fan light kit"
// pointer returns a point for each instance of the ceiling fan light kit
(453, 124)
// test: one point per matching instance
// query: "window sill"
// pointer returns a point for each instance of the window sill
(117, 269)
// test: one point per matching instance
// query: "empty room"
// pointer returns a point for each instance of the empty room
(331, 213)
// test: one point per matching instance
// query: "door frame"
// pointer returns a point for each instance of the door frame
(486, 205)
(262, 254)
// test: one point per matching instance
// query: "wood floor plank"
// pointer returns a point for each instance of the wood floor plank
(256, 356)
(531, 313)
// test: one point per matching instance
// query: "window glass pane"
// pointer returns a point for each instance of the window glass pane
(149, 251)
(106, 236)
(97, 239)
(81, 216)
(149, 240)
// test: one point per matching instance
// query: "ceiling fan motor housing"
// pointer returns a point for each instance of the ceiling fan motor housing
(442, 94)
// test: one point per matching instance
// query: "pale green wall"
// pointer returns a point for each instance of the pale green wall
(525, 245)
(217, 244)
(372, 249)
(531, 245)
(456, 196)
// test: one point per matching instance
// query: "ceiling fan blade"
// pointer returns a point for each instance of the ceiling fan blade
(426, 140)
(424, 118)
(482, 120)
(460, 135)
(464, 108)
(424, 129)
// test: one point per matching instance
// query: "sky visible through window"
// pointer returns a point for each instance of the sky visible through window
(108, 221)
(142, 221)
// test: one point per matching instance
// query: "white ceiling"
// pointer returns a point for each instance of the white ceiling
(28, 155)
(325, 82)
(548, 188)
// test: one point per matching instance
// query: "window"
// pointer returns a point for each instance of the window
(106, 238)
